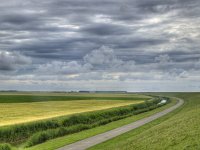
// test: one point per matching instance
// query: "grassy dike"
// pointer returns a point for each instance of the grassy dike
(62, 141)
(178, 130)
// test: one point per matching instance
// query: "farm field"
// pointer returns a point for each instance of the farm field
(176, 131)
(57, 115)
(20, 107)
(21, 97)
(13, 113)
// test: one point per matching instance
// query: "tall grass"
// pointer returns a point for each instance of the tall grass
(18, 133)
(5, 147)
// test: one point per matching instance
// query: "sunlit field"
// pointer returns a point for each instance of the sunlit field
(12, 113)
(20, 107)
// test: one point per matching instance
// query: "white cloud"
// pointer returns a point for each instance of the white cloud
(104, 56)
(98, 60)
(60, 67)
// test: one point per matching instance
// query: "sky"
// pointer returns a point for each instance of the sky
(117, 45)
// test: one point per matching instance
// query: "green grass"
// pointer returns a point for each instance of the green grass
(22, 97)
(62, 141)
(5, 147)
(179, 130)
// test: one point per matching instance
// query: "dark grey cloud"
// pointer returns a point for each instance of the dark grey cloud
(16, 19)
(12, 60)
(106, 29)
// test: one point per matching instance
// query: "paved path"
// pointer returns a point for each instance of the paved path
(89, 142)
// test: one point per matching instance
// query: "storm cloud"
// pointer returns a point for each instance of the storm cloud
(105, 44)
(11, 60)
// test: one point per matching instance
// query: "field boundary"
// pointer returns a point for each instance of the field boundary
(91, 141)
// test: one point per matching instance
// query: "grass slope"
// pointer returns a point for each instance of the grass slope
(179, 130)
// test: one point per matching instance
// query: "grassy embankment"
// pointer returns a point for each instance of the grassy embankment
(178, 130)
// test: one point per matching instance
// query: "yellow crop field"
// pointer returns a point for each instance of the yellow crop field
(14, 113)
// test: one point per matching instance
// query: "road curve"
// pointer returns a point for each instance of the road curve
(94, 140)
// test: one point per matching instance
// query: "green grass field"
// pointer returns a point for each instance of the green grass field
(179, 130)
(21, 97)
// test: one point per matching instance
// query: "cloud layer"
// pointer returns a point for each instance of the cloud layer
(104, 44)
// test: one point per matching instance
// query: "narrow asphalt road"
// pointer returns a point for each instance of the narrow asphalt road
(89, 142)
